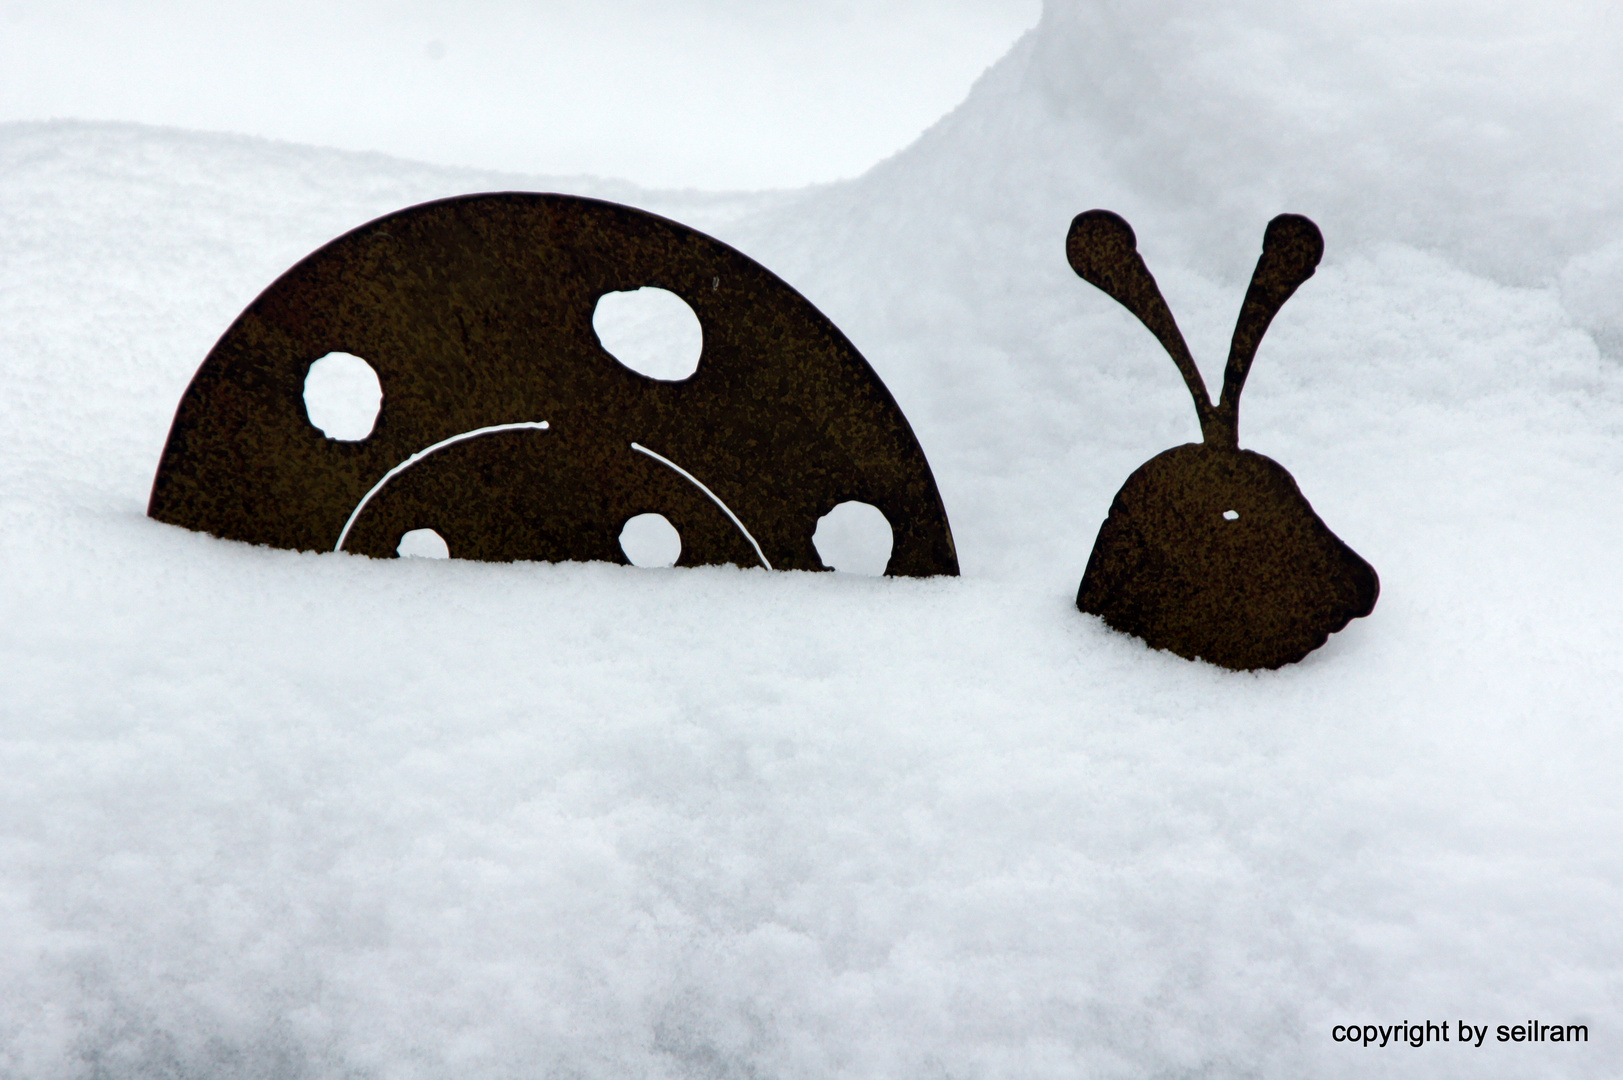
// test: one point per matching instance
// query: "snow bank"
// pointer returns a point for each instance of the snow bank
(1486, 130)
(278, 814)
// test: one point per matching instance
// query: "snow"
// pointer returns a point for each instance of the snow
(276, 814)
(652, 331)
(713, 93)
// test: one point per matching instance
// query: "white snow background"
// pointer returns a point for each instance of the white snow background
(271, 814)
(717, 93)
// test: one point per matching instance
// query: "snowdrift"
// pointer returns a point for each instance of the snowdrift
(276, 814)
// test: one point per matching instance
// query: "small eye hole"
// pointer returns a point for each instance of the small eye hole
(1231, 515)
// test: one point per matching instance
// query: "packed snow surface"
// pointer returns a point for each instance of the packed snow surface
(277, 814)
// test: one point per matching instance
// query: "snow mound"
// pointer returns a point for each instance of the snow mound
(276, 814)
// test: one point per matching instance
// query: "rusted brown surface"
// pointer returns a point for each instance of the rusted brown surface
(477, 311)
(1211, 551)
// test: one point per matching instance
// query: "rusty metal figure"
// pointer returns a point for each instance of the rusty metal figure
(507, 427)
(1211, 551)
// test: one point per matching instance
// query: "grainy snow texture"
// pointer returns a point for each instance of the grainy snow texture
(267, 814)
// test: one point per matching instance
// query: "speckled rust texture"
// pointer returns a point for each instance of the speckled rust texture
(477, 311)
(1258, 590)
(1211, 551)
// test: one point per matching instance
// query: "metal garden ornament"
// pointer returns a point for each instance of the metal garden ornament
(1209, 550)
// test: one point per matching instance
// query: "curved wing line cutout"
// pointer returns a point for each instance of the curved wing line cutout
(530, 425)
(696, 482)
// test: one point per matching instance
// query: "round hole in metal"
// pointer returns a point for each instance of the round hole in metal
(651, 331)
(342, 396)
(650, 540)
(423, 544)
(854, 537)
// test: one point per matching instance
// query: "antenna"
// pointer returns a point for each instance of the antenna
(1291, 248)
(1103, 251)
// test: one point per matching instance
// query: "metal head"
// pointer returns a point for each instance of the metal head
(1211, 551)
